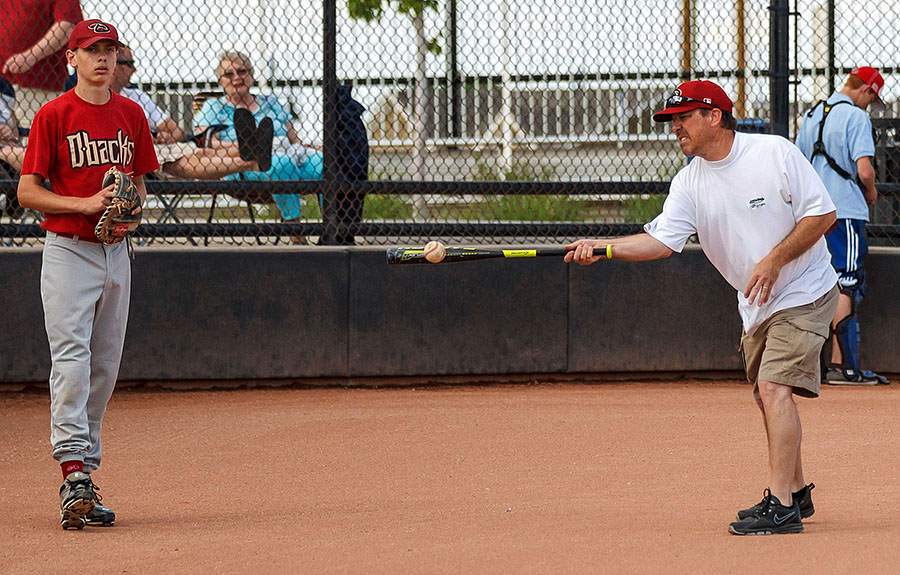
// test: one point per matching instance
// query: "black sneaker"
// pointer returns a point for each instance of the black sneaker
(99, 516)
(76, 500)
(245, 129)
(263, 152)
(774, 518)
(802, 497)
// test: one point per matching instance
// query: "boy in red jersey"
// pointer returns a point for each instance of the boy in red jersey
(85, 285)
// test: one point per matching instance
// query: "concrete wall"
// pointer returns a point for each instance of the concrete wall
(343, 313)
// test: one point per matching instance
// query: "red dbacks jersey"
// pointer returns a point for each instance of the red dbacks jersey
(73, 143)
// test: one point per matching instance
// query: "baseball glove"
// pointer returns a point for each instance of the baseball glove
(117, 220)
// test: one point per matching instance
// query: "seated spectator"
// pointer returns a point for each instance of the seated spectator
(165, 130)
(11, 151)
(176, 156)
(9, 131)
(290, 158)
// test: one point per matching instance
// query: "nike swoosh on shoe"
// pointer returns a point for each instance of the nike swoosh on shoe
(780, 520)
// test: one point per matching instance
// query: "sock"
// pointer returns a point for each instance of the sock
(71, 467)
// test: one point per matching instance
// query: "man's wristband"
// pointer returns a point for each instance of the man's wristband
(609, 251)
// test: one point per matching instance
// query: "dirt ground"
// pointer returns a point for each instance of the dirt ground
(546, 478)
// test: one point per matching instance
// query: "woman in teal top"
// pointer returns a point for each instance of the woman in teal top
(291, 160)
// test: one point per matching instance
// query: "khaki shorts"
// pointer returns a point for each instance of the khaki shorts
(785, 349)
(167, 153)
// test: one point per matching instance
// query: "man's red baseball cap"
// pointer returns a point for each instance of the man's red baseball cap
(692, 95)
(872, 78)
(88, 32)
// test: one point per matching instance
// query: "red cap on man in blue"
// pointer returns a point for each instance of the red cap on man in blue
(692, 95)
(88, 32)
(872, 79)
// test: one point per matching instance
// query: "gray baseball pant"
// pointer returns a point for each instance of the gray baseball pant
(86, 289)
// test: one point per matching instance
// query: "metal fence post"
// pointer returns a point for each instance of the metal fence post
(778, 67)
(329, 123)
(832, 69)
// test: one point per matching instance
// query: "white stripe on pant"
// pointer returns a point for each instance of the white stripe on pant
(86, 289)
(852, 247)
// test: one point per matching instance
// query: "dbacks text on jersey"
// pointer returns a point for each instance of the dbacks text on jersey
(85, 152)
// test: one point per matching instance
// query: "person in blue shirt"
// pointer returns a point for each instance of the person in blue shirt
(836, 136)
(290, 158)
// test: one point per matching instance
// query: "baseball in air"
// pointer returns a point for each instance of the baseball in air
(434, 252)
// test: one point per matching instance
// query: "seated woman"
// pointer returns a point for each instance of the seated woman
(290, 159)
(177, 156)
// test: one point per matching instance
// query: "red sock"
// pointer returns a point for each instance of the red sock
(71, 467)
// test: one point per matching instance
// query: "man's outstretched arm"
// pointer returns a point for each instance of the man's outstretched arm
(636, 248)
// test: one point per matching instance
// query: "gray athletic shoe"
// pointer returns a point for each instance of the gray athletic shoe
(836, 376)
(76, 500)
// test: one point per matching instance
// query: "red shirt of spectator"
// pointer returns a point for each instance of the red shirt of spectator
(24, 23)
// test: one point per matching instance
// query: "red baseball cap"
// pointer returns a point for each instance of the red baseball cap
(692, 95)
(871, 77)
(88, 32)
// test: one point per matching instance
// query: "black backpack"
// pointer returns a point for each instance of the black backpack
(352, 166)
(352, 139)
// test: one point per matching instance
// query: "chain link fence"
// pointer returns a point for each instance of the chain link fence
(481, 120)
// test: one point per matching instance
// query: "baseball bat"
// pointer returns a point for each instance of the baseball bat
(412, 255)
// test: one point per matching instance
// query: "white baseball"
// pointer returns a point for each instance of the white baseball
(434, 251)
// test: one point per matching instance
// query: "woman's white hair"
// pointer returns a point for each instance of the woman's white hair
(233, 56)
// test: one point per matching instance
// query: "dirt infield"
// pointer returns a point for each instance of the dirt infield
(603, 478)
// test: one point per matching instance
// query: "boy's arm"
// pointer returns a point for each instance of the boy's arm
(34, 196)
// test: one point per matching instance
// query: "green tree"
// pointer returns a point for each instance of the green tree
(371, 10)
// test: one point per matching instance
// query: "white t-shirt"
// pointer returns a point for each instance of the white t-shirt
(741, 207)
(155, 114)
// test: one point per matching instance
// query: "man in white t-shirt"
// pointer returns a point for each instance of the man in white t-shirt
(760, 213)
(164, 128)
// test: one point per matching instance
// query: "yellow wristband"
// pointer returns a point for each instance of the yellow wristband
(609, 251)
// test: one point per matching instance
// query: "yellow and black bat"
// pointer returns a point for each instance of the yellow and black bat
(412, 255)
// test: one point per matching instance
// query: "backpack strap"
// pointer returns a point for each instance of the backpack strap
(819, 145)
